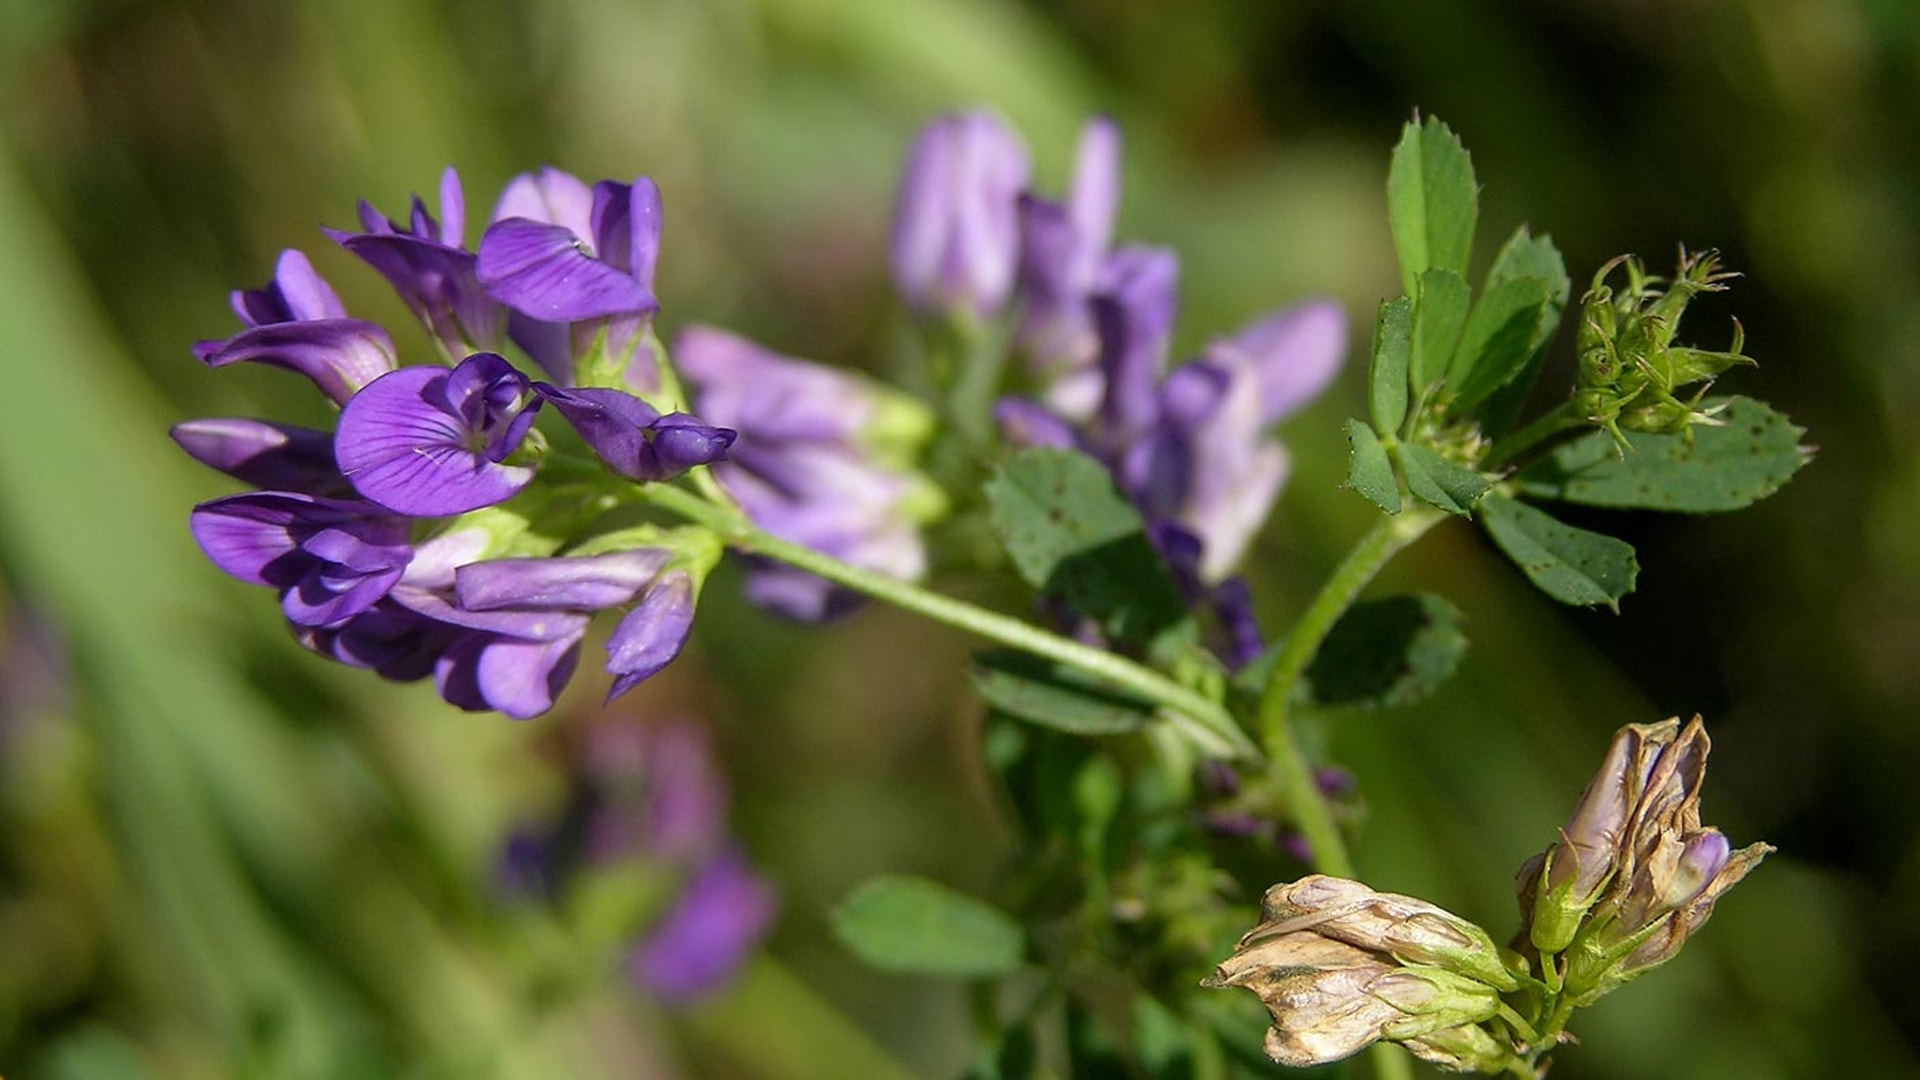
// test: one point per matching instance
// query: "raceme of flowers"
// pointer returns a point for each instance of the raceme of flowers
(1189, 445)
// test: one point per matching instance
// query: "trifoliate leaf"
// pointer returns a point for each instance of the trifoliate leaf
(1741, 460)
(1439, 315)
(1369, 470)
(1392, 651)
(1571, 565)
(898, 922)
(1392, 349)
(1500, 339)
(1432, 201)
(1042, 692)
(1072, 534)
(1440, 481)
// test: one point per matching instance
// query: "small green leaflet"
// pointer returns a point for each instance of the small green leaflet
(1501, 337)
(1571, 565)
(1432, 201)
(1736, 463)
(1369, 470)
(1392, 349)
(898, 922)
(1438, 317)
(1440, 481)
(1041, 692)
(1072, 534)
(1392, 651)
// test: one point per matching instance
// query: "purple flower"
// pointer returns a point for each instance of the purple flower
(956, 237)
(297, 322)
(1063, 252)
(574, 262)
(633, 438)
(427, 263)
(332, 559)
(1133, 312)
(429, 442)
(276, 456)
(823, 460)
(643, 643)
(708, 932)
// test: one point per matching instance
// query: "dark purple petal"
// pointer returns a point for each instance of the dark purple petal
(1133, 311)
(681, 442)
(428, 442)
(572, 583)
(1232, 605)
(439, 283)
(395, 643)
(258, 536)
(297, 293)
(707, 934)
(340, 355)
(508, 675)
(521, 625)
(549, 343)
(276, 456)
(543, 271)
(643, 242)
(1063, 247)
(652, 634)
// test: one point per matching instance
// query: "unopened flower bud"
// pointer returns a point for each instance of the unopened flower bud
(1403, 927)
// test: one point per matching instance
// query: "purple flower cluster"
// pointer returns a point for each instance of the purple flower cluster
(387, 538)
(1190, 445)
(652, 795)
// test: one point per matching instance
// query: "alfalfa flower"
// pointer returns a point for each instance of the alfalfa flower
(956, 229)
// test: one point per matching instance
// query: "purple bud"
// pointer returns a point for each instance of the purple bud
(276, 456)
(430, 442)
(652, 634)
(572, 583)
(1133, 311)
(633, 438)
(956, 235)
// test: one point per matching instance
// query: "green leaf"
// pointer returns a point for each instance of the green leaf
(1072, 534)
(1438, 318)
(1039, 691)
(1440, 481)
(898, 922)
(1500, 339)
(1392, 350)
(1527, 256)
(1369, 470)
(1744, 459)
(1571, 565)
(1393, 651)
(1431, 201)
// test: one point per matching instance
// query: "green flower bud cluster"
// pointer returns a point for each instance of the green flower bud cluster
(1634, 873)
(1341, 966)
(1630, 371)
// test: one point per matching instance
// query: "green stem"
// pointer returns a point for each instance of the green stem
(1202, 720)
(1390, 1062)
(1290, 767)
(1551, 423)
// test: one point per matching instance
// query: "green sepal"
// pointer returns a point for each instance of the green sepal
(1041, 692)
(1369, 470)
(1747, 455)
(1392, 351)
(1571, 565)
(1440, 481)
(903, 923)
(1439, 317)
(1432, 201)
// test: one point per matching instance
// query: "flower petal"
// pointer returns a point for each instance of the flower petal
(572, 583)
(340, 355)
(401, 448)
(703, 939)
(541, 270)
(652, 634)
(277, 456)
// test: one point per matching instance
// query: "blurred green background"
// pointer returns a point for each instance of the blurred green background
(220, 857)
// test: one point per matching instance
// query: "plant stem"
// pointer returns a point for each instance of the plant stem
(1289, 766)
(1205, 722)
(1554, 421)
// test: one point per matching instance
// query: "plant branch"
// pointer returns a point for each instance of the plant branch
(1553, 422)
(1205, 722)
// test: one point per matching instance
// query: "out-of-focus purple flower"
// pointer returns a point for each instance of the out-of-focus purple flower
(824, 459)
(710, 929)
(297, 322)
(646, 639)
(574, 262)
(430, 442)
(332, 559)
(956, 233)
(1063, 251)
(427, 263)
(280, 457)
(1133, 311)
(633, 438)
